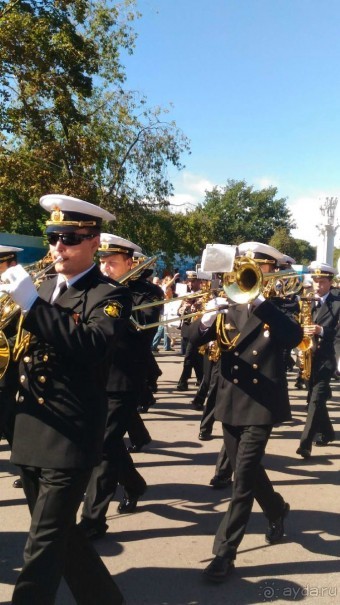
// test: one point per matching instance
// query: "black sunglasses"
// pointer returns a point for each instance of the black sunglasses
(68, 239)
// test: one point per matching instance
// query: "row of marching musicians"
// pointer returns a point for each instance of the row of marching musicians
(247, 391)
(65, 380)
(82, 370)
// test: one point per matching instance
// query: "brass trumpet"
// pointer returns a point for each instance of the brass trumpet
(136, 271)
(8, 310)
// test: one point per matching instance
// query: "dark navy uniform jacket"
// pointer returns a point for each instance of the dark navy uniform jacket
(61, 403)
(133, 356)
(252, 386)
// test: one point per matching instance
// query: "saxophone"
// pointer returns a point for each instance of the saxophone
(306, 345)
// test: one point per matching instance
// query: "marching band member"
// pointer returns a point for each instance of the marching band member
(127, 372)
(75, 321)
(192, 358)
(252, 396)
(9, 380)
(325, 330)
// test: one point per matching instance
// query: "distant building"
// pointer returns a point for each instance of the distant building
(180, 265)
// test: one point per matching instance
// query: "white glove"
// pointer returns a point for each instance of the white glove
(20, 286)
(211, 311)
(258, 301)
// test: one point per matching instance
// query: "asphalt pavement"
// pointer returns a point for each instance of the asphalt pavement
(157, 554)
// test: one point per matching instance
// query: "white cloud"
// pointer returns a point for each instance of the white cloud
(190, 190)
(263, 182)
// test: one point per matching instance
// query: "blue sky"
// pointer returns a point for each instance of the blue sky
(255, 85)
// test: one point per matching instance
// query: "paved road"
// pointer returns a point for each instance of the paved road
(156, 554)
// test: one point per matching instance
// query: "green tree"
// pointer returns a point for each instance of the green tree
(66, 122)
(237, 212)
(302, 252)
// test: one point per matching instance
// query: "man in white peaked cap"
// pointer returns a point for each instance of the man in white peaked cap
(75, 321)
(325, 332)
(252, 396)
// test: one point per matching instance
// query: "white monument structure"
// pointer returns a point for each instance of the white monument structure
(327, 230)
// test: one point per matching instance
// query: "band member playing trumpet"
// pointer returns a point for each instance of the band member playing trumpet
(75, 320)
(325, 331)
(192, 358)
(9, 373)
(252, 396)
(126, 380)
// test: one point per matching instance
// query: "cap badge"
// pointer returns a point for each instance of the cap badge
(57, 216)
(113, 309)
(104, 246)
(250, 254)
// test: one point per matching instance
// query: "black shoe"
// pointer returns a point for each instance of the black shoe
(182, 386)
(322, 440)
(302, 451)
(198, 406)
(129, 502)
(145, 407)
(17, 483)
(220, 482)
(92, 531)
(205, 436)
(218, 569)
(138, 448)
(276, 528)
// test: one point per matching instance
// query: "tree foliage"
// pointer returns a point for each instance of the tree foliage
(299, 249)
(239, 213)
(66, 122)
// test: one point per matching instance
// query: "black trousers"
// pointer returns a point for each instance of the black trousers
(208, 418)
(203, 389)
(56, 547)
(117, 465)
(8, 408)
(318, 420)
(245, 446)
(223, 468)
(193, 360)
